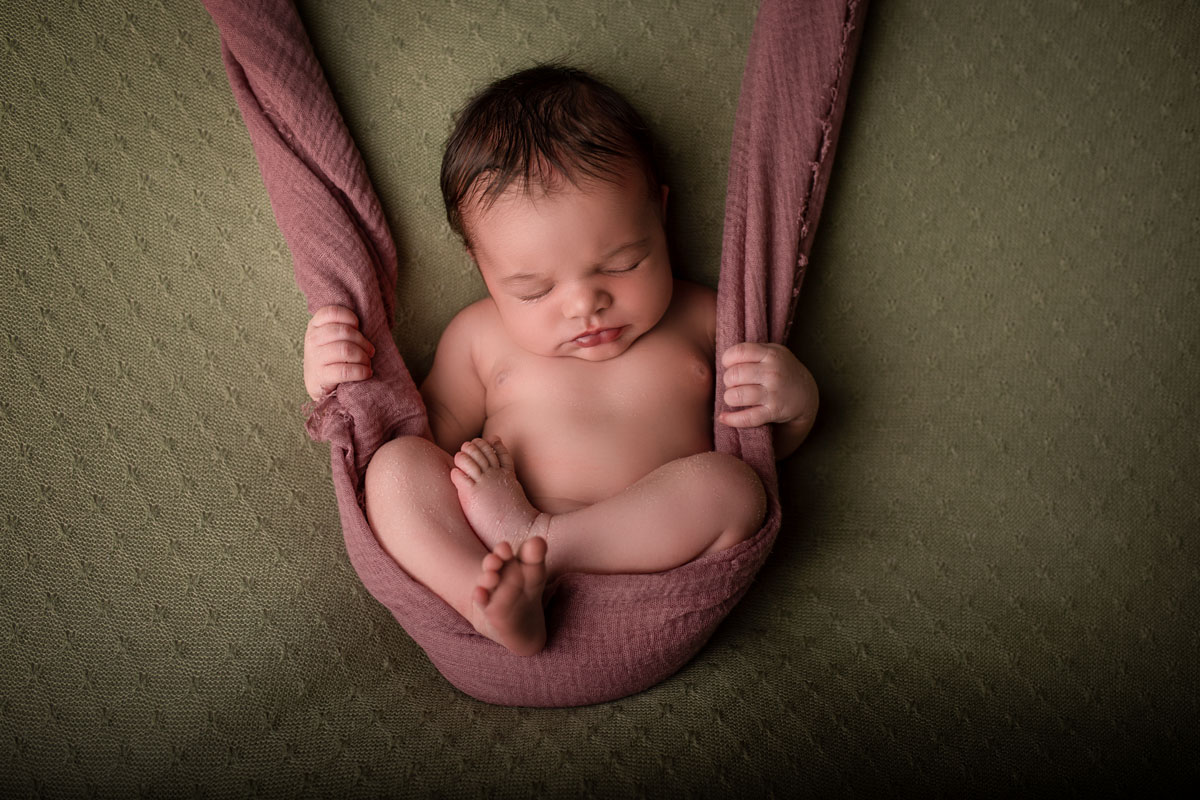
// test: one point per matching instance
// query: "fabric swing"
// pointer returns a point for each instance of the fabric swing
(608, 635)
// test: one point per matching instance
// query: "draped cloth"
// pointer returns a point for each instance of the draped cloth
(608, 636)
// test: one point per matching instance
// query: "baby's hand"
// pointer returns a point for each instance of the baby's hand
(334, 351)
(770, 380)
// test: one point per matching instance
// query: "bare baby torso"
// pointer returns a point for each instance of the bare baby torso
(582, 431)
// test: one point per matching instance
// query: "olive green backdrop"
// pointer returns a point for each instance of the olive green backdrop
(987, 576)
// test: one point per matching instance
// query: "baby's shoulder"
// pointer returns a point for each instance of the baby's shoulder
(475, 319)
(478, 313)
(469, 328)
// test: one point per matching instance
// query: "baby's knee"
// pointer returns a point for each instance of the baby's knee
(397, 462)
(738, 497)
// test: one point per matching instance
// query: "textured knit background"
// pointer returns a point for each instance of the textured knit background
(987, 577)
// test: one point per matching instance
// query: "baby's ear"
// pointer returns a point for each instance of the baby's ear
(665, 189)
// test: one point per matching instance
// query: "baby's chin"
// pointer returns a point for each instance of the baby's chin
(601, 352)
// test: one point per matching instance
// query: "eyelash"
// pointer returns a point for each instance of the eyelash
(536, 297)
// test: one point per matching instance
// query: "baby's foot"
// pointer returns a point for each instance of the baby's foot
(491, 498)
(507, 602)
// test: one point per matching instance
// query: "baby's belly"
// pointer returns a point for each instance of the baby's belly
(564, 465)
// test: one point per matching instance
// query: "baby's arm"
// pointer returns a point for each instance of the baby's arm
(334, 351)
(453, 392)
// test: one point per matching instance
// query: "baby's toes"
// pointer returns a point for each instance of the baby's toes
(471, 450)
(485, 587)
(506, 459)
(533, 565)
(533, 550)
(485, 447)
(468, 465)
(492, 564)
(510, 588)
(461, 480)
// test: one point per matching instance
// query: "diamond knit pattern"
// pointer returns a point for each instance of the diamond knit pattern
(988, 575)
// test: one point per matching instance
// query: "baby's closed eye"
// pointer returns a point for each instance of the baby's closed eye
(530, 298)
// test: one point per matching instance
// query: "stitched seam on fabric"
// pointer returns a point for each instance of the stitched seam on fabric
(826, 129)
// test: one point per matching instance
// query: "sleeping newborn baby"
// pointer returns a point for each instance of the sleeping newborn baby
(577, 397)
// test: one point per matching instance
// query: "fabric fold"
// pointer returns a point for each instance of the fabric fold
(608, 635)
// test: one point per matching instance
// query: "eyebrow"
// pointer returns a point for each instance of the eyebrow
(522, 277)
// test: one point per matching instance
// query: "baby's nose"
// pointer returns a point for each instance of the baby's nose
(587, 300)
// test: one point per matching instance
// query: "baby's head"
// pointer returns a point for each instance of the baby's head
(549, 178)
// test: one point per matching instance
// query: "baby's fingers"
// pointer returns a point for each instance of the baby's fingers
(745, 373)
(335, 336)
(331, 314)
(752, 352)
(333, 374)
(748, 394)
(746, 417)
(348, 372)
(339, 362)
(340, 350)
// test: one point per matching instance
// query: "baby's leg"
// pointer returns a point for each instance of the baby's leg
(684, 509)
(414, 512)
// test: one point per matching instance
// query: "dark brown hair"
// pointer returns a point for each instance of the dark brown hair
(545, 119)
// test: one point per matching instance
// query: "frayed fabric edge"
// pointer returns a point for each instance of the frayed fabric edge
(804, 223)
(325, 416)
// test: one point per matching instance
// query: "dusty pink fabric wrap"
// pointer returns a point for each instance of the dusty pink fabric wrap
(608, 635)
